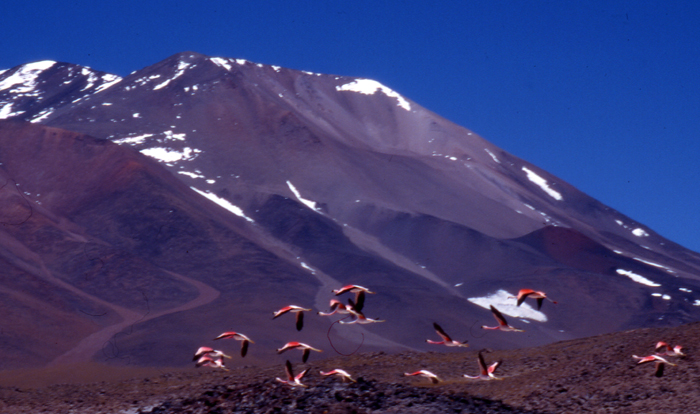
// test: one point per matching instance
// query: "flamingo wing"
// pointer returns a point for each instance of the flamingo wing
(499, 316)
(288, 370)
(360, 300)
(300, 320)
(482, 365)
(244, 348)
(659, 371)
(441, 332)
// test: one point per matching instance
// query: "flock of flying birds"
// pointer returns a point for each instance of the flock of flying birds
(209, 357)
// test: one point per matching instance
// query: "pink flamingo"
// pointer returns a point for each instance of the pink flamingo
(359, 318)
(206, 361)
(359, 292)
(424, 373)
(239, 337)
(336, 307)
(667, 350)
(446, 340)
(306, 349)
(341, 373)
(210, 352)
(534, 294)
(658, 360)
(485, 372)
(502, 324)
(292, 380)
(295, 309)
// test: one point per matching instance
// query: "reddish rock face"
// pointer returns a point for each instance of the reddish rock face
(144, 216)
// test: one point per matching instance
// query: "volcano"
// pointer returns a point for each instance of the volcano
(143, 216)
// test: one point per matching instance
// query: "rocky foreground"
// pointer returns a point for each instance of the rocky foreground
(596, 374)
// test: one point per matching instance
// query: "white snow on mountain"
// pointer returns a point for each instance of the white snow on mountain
(180, 71)
(370, 87)
(505, 302)
(310, 204)
(170, 155)
(542, 183)
(224, 63)
(224, 203)
(25, 77)
(135, 140)
(637, 278)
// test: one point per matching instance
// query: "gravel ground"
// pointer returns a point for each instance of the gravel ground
(590, 375)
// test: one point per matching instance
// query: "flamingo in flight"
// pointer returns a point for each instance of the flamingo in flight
(667, 350)
(292, 380)
(294, 309)
(359, 292)
(239, 337)
(485, 372)
(534, 294)
(210, 352)
(341, 373)
(206, 361)
(659, 363)
(502, 324)
(446, 340)
(424, 373)
(306, 349)
(336, 307)
(359, 317)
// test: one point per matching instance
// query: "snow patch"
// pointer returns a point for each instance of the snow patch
(370, 87)
(505, 302)
(542, 183)
(224, 63)
(137, 140)
(685, 290)
(191, 174)
(26, 76)
(492, 155)
(169, 154)
(637, 278)
(225, 204)
(180, 70)
(310, 204)
(307, 267)
(640, 232)
(170, 135)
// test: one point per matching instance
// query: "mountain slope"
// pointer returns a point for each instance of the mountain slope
(335, 180)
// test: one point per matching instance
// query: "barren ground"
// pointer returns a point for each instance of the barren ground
(596, 374)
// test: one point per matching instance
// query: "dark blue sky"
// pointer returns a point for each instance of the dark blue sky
(603, 94)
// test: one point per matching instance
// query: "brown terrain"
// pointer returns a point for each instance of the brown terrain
(589, 375)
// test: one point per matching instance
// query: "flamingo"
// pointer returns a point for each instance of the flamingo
(424, 373)
(359, 292)
(341, 373)
(534, 294)
(239, 337)
(658, 360)
(336, 307)
(502, 324)
(206, 361)
(359, 318)
(446, 340)
(210, 352)
(668, 351)
(485, 373)
(306, 349)
(351, 288)
(295, 309)
(292, 380)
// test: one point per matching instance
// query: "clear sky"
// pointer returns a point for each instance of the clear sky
(603, 94)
